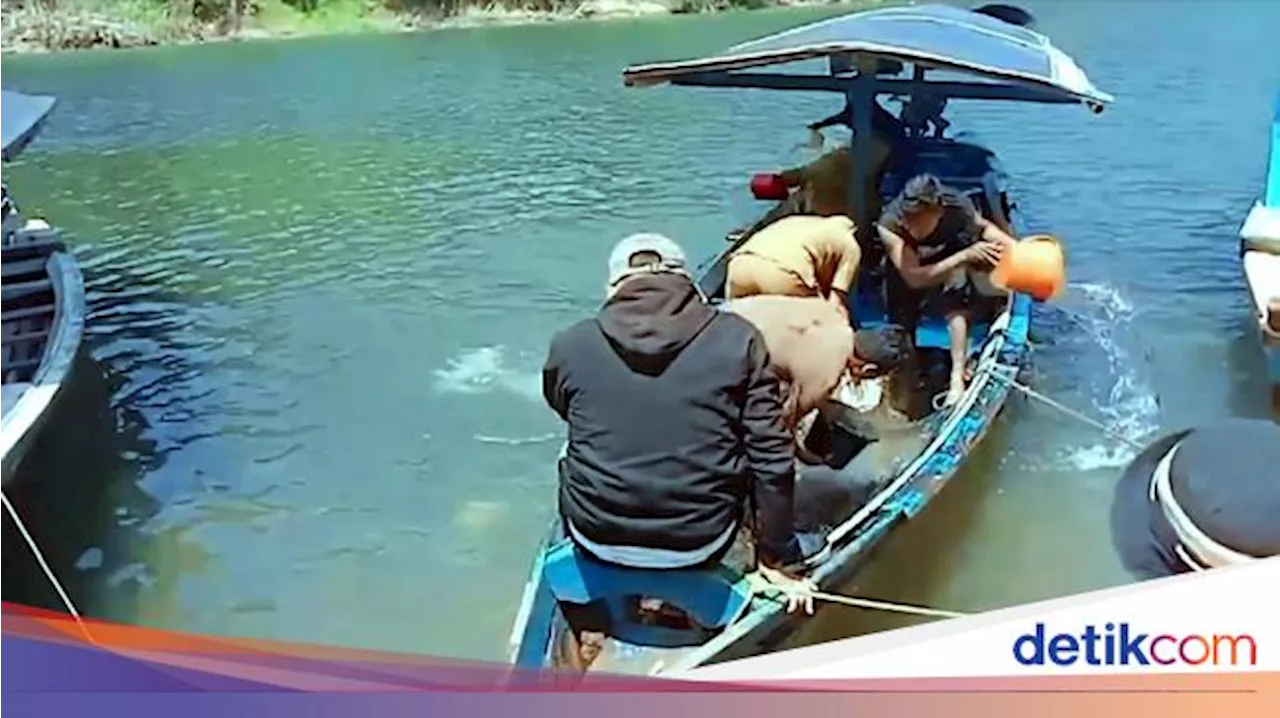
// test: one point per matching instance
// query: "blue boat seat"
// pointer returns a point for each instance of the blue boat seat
(711, 596)
(931, 333)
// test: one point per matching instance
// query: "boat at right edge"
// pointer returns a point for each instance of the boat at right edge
(1260, 256)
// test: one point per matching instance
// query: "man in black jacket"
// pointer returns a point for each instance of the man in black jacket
(675, 425)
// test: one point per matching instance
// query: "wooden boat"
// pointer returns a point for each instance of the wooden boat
(884, 477)
(1260, 255)
(43, 303)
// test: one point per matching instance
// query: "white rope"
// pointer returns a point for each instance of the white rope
(883, 605)
(798, 592)
(1003, 371)
(996, 367)
(44, 566)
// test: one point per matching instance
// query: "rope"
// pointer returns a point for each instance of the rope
(883, 605)
(1003, 371)
(803, 591)
(44, 566)
(1062, 407)
(799, 591)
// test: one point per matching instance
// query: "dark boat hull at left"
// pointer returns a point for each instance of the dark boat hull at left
(43, 302)
(44, 315)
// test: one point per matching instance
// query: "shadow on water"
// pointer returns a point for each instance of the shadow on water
(1248, 394)
(79, 490)
(70, 491)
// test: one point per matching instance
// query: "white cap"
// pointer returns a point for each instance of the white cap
(671, 255)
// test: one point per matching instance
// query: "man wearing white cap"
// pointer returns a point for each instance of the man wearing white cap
(676, 428)
(675, 420)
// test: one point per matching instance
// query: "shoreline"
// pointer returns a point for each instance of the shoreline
(35, 32)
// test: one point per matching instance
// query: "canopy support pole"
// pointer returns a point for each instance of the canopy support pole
(861, 94)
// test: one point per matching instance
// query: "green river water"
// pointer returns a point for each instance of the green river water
(323, 274)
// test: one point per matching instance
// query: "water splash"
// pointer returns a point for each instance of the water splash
(1129, 405)
(487, 370)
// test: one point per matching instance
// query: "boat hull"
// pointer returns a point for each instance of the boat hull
(946, 440)
(1260, 259)
(913, 476)
(43, 331)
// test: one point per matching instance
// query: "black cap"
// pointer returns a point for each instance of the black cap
(1220, 481)
(886, 346)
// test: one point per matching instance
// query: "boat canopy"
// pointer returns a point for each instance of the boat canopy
(931, 37)
(21, 118)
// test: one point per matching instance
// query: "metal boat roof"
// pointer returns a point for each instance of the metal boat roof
(932, 36)
(21, 118)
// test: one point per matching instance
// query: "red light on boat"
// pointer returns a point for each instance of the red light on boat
(769, 186)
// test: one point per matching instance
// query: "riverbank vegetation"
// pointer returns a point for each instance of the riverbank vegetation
(33, 25)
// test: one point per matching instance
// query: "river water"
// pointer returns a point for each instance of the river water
(323, 274)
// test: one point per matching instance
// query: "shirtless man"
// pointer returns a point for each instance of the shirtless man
(814, 351)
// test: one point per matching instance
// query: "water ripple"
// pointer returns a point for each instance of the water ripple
(325, 272)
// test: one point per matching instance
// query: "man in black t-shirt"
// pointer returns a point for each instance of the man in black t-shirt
(935, 238)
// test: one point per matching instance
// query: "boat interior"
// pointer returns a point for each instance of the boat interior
(30, 301)
(973, 170)
(864, 453)
(879, 465)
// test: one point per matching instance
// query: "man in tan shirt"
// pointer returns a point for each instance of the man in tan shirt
(815, 253)
(798, 256)
(813, 349)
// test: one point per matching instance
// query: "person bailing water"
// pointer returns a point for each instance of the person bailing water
(1200, 498)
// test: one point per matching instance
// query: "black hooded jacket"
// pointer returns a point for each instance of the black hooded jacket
(674, 420)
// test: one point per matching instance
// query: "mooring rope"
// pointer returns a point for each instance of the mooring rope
(797, 592)
(1000, 371)
(883, 605)
(44, 566)
(1004, 372)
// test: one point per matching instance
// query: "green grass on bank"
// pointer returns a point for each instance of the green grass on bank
(335, 16)
(77, 24)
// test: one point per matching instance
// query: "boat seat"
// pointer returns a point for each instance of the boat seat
(33, 243)
(712, 596)
(931, 332)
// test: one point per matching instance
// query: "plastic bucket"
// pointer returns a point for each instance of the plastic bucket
(1036, 266)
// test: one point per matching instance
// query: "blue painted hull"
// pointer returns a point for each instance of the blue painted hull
(949, 439)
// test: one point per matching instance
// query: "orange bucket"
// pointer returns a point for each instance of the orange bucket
(1035, 266)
